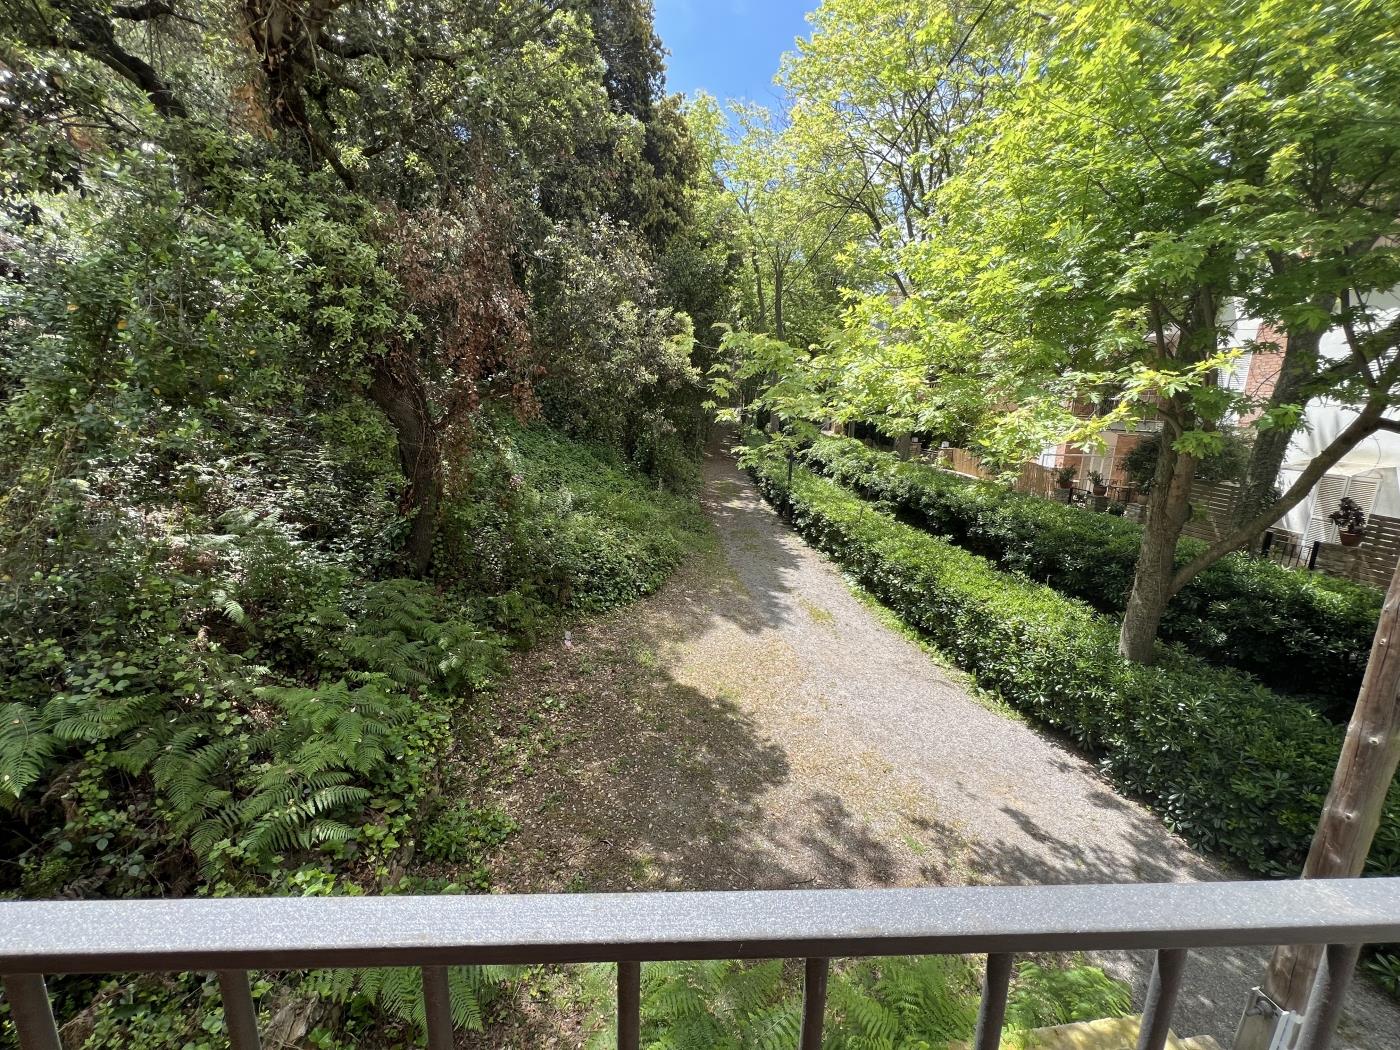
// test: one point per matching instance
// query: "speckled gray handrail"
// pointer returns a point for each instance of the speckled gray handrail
(232, 935)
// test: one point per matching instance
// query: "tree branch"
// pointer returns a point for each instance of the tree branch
(1365, 424)
(98, 40)
(150, 10)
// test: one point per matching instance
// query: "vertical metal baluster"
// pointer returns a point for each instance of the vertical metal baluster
(31, 1012)
(992, 1015)
(1161, 998)
(1328, 993)
(437, 1007)
(813, 1003)
(629, 1005)
(240, 1016)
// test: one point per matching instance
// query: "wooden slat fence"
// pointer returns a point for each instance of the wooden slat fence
(1372, 562)
(1213, 503)
(1033, 478)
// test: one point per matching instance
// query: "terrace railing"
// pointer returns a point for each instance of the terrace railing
(232, 936)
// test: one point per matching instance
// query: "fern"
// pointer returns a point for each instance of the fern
(878, 1004)
(398, 991)
(226, 604)
(403, 635)
(1043, 997)
(27, 744)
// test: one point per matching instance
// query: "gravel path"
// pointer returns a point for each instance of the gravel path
(757, 725)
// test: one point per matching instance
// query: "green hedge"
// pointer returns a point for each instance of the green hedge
(1299, 632)
(1230, 765)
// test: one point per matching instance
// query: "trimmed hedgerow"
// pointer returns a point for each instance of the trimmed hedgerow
(1232, 766)
(1303, 633)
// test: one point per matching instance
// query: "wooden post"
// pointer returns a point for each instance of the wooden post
(1356, 800)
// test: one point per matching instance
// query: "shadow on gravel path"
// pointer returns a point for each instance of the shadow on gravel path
(756, 725)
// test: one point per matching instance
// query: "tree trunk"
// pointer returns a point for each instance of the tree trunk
(1168, 510)
(1355, 803)
(758, 291)
(778, 329)
(405, 403)
(1270, 446)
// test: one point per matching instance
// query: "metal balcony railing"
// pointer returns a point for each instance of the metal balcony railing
(232, 936)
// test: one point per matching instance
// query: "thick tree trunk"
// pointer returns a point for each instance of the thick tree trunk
(1354, 805)
(405, 403)
(1169, 502)
(1257, 487)
(1168, 510)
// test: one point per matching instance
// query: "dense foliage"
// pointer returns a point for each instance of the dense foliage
(342, 348)
(1232, 766)
(1298, 632)
(1045, 223)
(872, 1004)
(234, 707)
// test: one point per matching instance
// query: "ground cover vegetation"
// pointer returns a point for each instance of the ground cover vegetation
(1302, 633)
(342, 348)
(1235, 768)
(872, 1004)
(345, 346)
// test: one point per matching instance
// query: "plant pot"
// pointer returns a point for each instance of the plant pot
(1100, 490)
(1351, 539)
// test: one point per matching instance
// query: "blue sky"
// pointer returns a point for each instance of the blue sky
(728, 47)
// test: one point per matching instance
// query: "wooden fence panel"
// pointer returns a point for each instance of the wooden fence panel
(1036, 479)
(964, 462)
(1372, 562)
(1212, 503)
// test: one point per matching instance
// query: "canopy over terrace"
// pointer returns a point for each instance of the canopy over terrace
(1369, 474)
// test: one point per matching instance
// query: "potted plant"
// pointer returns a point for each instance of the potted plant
(1064, 477)
(1096, 479)
(1350, 521)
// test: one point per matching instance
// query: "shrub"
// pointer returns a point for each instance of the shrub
(1230, 765)
(464, 836)
(1300, 632)
(229, 759)
(548, 521)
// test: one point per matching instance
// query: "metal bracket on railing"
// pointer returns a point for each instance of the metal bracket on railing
(1266, 1026)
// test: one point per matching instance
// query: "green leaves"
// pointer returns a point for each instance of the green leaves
(1301, 633)
(1088, 202)
(900, 1003)
(27, 744)
(1171, 733)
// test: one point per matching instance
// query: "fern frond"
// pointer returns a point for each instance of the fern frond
(27, 746)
